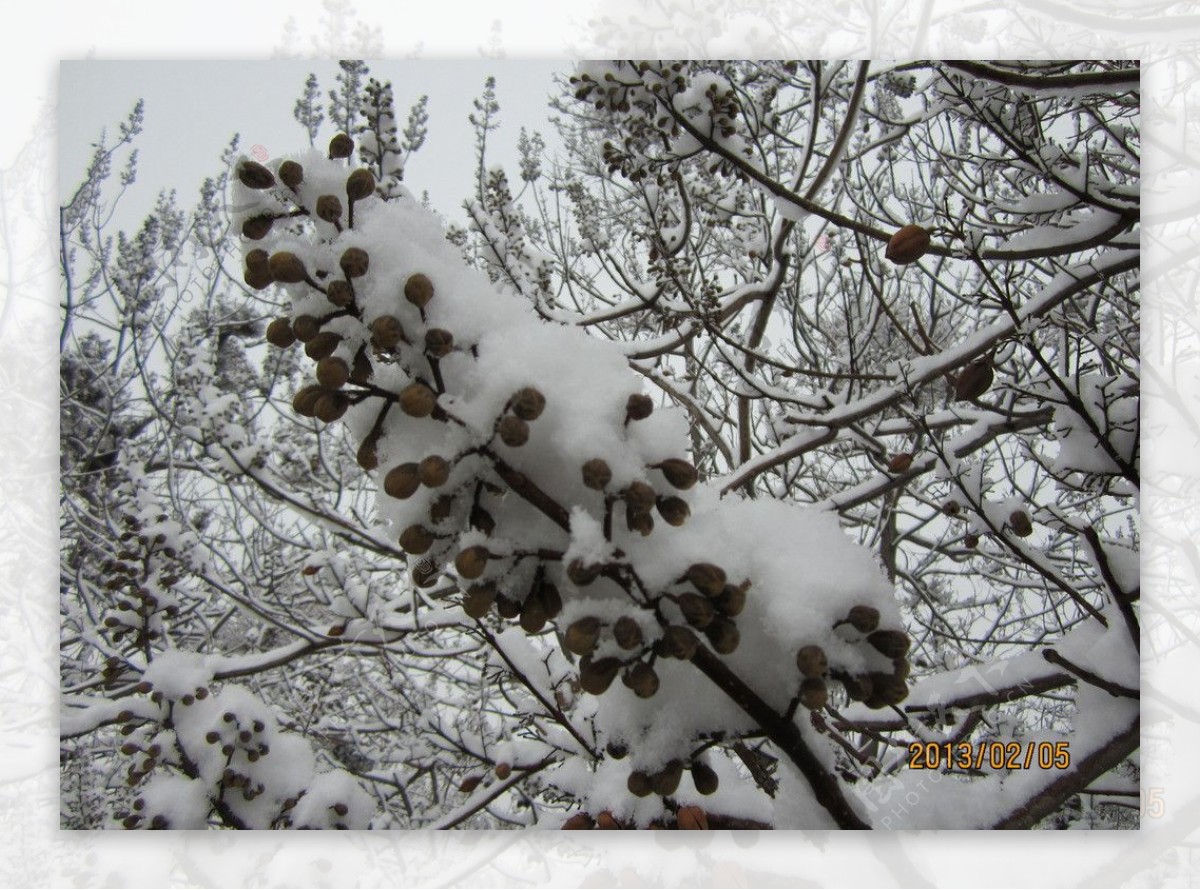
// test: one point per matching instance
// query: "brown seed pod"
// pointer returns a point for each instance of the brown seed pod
(707, 578)
(704, 777)
(971, 540)
(527, 403)
(418, 289)
(724, 635)
(581, 635)
(900, 462)
(471, 562)
(974, 380)
(901, 667)
(503, 771)
(887, 690)
(951, 507)
(305, 400)
(579, 822)
(291, 174)
(666, 780)
(679, 472)
(581, 573)
(479, 599)
(482, 520)
(441, 508)
(305, 327)
(469, 784)
(596, 676)
(892, 643)
(533, 613)
(639, 784)
(864, 619)
(341, 146)
(859, 688)
(257, 227)
(417, 400)
(514, 432)
(258, 260)
(322, 345)
(386, 331)
(259, 279)
(616, 750)
(360, 184)
(606, 822)
(361, 371)
(698, 610)
(1020, 523)
(551, 599)
(691, 818)
(402, 481)
(677, 642)
(354, 262)
(332, 372)
(254, 175)
(433, 471)
(642, 679)
(339, 293)
(368, 454)
(908, 245)
(732, 600)
(424, 574)
(596, 474)
(287, 267)
(674, 511)
(813, 693)
(627, 632)
(329, 208)
(416, 540)
(279, 333)
(438, 342)
(638, 407)
(812, 661)
(640, 496)
(639, 520)
(507, 607)
(330, 406)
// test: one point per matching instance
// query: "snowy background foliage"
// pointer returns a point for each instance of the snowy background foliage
(673, 489)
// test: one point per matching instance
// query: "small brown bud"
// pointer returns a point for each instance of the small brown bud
(424, 575)
(908, 245)
(900, 462)
(952, 507)
(627, 632)
(679, 473)
(286, 267)
(581, 636)
(666, 780)
(971, 540)
(596, 474)
(305, 327)
(304, 402)
(339, 293)
(1020, 523)
(329, 208)
(386, 331)
(402, 481)
(639, 520)
(259, 279)
(642, 679)
(503, 771)
(354, 262)
(704, 777)
(417, 400)
(974, 380)
(469, 784)
(892, 643)
(254, 175)
(732, 600)
(471, 562)
(418, 289)
(360, 184)
(514, 432)
(330, 406)
(596, 676)
(674, 511)
(616, 750)
(416, 540)
(677, 642)
(433, 471)
(813, 693)
(322, 345)
(639, 784)
(341, 146)
(638, 407)
(581, 573)
(812, 661)
(332, 372)
(533, 615)
(864, 619)
(697, 610)
(291, 174)
(479, 599)
(258, 260)
(279, 333)
(707, 578)
(640, 496)
(527, 403)
(257, 227)
(507, 607)
(724, 635)
(438, 342)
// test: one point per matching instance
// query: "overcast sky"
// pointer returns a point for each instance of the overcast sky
(194, 108)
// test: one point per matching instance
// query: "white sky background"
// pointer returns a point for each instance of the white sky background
(194, 108)
(37, 35)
